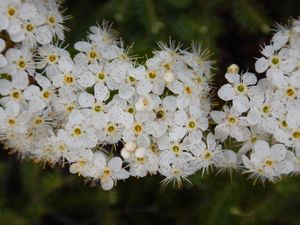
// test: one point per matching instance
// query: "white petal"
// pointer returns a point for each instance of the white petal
(293, 118)
(249, 78)
(43, 35)
(180, 117)
(85, 99)
(253, 116)
(247, 163)
(122, 174)
(176, 87)
(241, 103)
(261, 148)
(115, 163)
(5, 87)
(126, 91)
(101, 92)
(86, 80)
(82, 46)
(226, 92)
(44, 82)
(278, 152)
(261, 65)
(169, 103)
(285, 167)
(233, 78)
(107, 183)
(211, 141)
(2, 44)
(32, 92)
(3, 61)
(177, 133)
(218, 116)
(4, 22)
(143, 87)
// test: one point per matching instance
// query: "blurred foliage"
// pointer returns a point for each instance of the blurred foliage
(233, 31)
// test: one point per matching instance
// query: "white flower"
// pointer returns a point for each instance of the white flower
(237, 90)
(268, 162)
(81, 133)
(111, 172)
(230, 123)
(188, 125)
(207, 154)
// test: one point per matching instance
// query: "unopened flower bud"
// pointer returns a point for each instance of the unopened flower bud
(233, 68)
(169, 77)
(124, 153)
(130, 146)
(142, 104)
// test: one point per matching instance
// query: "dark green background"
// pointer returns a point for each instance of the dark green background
(234, 31)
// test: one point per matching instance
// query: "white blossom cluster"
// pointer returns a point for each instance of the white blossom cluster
(109, 117)
(264, 116)
(102, 113)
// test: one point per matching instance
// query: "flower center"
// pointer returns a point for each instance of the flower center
(97, 108)
(290, 92)
(269, 162)
(167, 66)
(284, 124)
(62, 147)
(160, 114)
(77, 132)
(140, 160)
(38, 121)
(46, 94)
(11, 11)
(154, 148)
(29, 27)
(266, 109)
(275, 60)
(207, 154)
(70, 108)
(138, 128)
(231, 120)
(152, 75)
(192, 125)
(131, 79)
(101, 76)
(11, 122)
(52, 20)
(16, 95)
(69, 79)
(106, 172)
(111, 128)
(253, 139)
(52, 58)
(21, 64)
(296, 135)
(176, 149)
(198, 79)
(93, 55)
(241, 88)
(131, 110)
(188, 90)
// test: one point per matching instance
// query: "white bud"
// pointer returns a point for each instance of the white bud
(142, 103)
(125, 154)
(169, 77)
(140, 152)
(130, 146)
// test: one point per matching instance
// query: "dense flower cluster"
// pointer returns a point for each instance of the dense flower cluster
(265, 115)
(109, 117)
